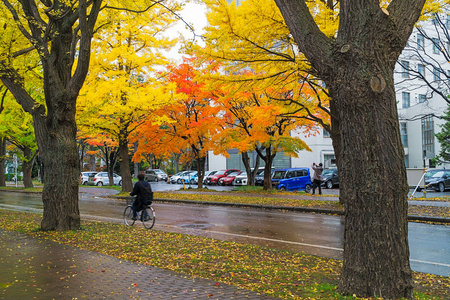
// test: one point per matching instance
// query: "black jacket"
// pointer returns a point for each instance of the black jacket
(143, 192)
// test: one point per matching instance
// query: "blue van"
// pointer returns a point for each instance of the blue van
(292, 179)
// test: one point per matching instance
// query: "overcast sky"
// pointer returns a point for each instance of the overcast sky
(193, 14)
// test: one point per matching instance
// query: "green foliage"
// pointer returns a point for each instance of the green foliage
(444, 139)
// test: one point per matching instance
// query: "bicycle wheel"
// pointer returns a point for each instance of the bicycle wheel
(148, 217)
(128, 216)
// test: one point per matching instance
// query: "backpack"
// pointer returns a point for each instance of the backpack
(147, 193)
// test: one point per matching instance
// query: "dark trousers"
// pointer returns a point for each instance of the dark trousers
(317, 183)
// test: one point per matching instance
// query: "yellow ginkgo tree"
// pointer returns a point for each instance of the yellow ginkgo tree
(121, 87)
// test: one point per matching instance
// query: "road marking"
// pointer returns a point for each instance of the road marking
(298, 243)
(430, 263)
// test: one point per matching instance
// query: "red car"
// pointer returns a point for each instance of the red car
(214, 179)
(228, 180)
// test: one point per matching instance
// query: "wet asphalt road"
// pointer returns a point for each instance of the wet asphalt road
(309, 233)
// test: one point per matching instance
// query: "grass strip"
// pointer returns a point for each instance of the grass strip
(283, 274)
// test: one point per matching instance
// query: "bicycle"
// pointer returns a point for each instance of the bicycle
(146, 215)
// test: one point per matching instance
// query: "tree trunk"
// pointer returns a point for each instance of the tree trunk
(124, 161)
(268, 160)
(201, 161)
(92, 166)
(2, 161)
(136, 164)
(376, 250)
(56, 138)
(27, 167)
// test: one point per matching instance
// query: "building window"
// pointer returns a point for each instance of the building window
(325, 133)
(422, 98)
(448, 22)
(428, 136)
(405, 68)
(436, 48)
(405, 100)
(437, 74)
(421, 70)
(329, 160)
(406, 161)
(404, 134)
(420, 42)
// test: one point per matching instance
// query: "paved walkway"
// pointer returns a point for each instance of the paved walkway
(33, 268)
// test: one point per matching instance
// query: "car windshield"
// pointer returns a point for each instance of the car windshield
(327, 172)
(220, 172)
(234, 174)
(212, 173)
(279, 174)
(160, 171)
(243, 174)
(431, 173)
(438, 174)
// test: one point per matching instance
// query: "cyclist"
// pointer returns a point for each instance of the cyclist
(144, 195)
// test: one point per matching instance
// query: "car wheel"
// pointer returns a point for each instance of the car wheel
(179, 181)
(192, 181)
(282, 188)
(441, 187)
(85, 183)
(156, 179)
(307, 188)
(120, 183)
(100, 183)
(329, 184)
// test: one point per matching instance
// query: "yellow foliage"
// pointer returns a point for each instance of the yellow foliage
(128, 52)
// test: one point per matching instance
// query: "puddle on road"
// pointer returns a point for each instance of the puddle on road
(196, 226)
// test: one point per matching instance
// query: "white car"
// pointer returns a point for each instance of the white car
(241, 179)
(101, 179)
(85, 177)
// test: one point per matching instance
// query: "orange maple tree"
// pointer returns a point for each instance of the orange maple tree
(187, 125)
(260, 120)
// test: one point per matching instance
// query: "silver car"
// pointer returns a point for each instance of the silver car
(101, 179)
(155, 175)
(85, 177)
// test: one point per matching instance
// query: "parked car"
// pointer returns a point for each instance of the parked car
(438, 179)
(214, 179)
(155, 175)
(101, 179)
(259, 178)
(292, 179)
(85, 177)
(330, 178)
(241, 179)
(188, 177)
(174, 178)
(228, 180)
(208, 173)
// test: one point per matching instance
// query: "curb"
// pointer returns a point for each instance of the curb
(288, 208)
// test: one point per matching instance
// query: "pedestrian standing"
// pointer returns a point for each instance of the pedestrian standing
(317, 178)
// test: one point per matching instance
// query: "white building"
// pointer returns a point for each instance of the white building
(424, 60)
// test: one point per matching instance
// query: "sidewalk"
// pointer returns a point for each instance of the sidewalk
(33, 268)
